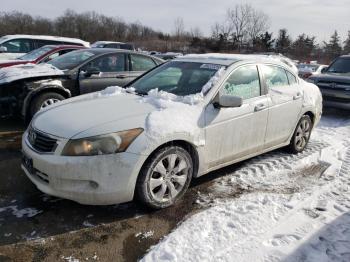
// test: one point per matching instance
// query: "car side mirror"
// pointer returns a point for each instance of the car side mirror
(227, 101)
(91, 71)
(3, 49)
(324, 70)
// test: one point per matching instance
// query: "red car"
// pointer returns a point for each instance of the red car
(41, 55)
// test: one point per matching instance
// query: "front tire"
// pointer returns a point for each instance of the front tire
(301, 135)
(165, 177)
(44, 100)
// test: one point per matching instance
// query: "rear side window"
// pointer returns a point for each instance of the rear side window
(274, 76)
(291, 78)
(18, 46)
(243, 82)
(141, 63)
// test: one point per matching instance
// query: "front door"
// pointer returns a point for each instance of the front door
(232, 133)
(108, 70)
(285, 104)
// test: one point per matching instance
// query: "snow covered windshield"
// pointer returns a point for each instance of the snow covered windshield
(176, 77)
(71, 60)
(35, 54)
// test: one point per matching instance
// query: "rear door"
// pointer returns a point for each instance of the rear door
(110, 71)
(232, 133)
(285, 104)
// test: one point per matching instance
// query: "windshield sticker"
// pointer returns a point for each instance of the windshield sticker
(211, 66)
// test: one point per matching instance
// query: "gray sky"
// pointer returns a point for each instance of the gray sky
(315, 17)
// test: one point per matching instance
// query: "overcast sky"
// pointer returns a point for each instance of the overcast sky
(315, 17)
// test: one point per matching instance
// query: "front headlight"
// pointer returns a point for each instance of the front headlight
(101, 145)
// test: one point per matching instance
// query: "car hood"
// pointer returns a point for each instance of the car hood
(18, 72)
(331, 77)
(74, 117)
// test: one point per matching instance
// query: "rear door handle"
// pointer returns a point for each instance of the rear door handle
(260, 107)
(121, 76)
(297, 96)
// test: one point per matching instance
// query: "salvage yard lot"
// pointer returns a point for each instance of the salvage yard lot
(253, 199)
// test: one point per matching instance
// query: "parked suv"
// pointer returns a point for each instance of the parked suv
(334, 83)
(13, 46)
(25, 89)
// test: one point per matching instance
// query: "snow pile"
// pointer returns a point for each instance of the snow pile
(113, 91)
(173, 114)
(294, 208)
(213, 81)
(17, 72)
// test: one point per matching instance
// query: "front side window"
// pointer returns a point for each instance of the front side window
(71, 60)
(141, 63)
(274, 76)
(176, 77)
(18, 46)
(109, 63)
(243, 82)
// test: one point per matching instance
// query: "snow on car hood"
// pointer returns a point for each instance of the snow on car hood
(159, 113)
(17, 72)
(73, 116)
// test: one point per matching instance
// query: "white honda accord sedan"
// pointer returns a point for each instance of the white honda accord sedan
(181, 120)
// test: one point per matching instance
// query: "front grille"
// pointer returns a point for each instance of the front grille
(333, 85)
(41, 142)
(336, 99)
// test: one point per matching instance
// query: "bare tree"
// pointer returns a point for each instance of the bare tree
(258, 23)
(179, 28)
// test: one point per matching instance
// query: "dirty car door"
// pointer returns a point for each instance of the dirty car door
(232, 133)
(103, 71)
(286, 103)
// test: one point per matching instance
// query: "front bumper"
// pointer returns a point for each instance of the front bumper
(336, 99)
(92, 180)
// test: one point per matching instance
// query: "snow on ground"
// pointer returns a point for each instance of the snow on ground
(290, 208)
(12, 73)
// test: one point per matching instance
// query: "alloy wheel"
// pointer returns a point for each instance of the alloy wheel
(302, 134)
(168, 177)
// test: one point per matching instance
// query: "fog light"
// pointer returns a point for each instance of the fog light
(93, 184)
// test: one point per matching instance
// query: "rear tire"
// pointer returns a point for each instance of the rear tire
(165, 177)
(301, 135)
(42, 101)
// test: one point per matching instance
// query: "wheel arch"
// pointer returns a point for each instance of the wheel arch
(37, 92)
(189, 147)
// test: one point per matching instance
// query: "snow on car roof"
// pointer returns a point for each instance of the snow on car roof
(228, 59)
(46, 37)
(107, 42)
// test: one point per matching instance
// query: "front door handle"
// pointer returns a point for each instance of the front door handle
(121, 76)
(260, 107)
(297, 96)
